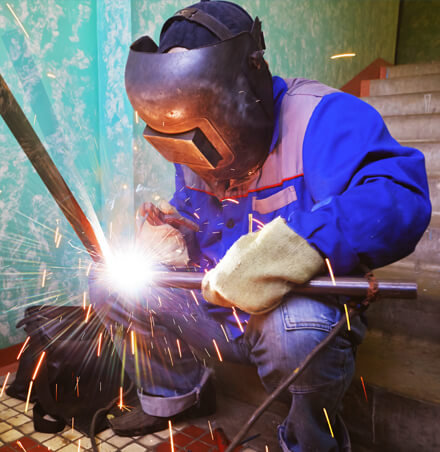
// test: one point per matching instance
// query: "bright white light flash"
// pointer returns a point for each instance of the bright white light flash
(128, 271)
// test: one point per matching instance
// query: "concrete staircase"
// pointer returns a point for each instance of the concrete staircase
(400, 357)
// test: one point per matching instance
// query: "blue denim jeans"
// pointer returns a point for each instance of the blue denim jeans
(173, 334)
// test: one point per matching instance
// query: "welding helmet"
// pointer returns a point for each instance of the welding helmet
(211, 107)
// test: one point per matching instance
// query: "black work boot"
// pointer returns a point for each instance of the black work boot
(138, 423)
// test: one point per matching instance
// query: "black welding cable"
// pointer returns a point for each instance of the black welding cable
(289, 380)
(102, 412)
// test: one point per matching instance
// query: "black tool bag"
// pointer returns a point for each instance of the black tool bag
(73, 382)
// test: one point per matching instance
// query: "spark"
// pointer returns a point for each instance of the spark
(21, 445)
(210, 430)
(250, 216)
(171, 356)
(224, 332)
(35, 118)
(60, 236)
(4, 384)
(79, 262)
(73, 423)
(23, 347)
(194, 296)
(79, 445)
(259, 223)
(178, 347)
(43, 279)
(88, 269)
(196, 215)
(342, 55)
(55, 239)
(28, 396)
(17, 19)
(77, 387)
(237, 319)
(50, 75)
(266, 449)
(365, 391)
(171, 435)
(132, 342)
(84, 300)
(136, 117)
(348, 317)
(217, 350)
(231, 200)
(37, 368)
(56, 391)
(328, 422)
(330, 270)
(88, 313)
(99, 344)
(121, 405)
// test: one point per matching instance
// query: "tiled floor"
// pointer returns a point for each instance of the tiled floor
(17, 434)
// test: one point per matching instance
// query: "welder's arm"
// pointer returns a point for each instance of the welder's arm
(158, 233)
(260, 268)
(371, 194)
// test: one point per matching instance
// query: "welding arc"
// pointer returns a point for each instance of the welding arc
(37, 154)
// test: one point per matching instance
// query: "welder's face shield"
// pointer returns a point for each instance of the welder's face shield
(209, 108)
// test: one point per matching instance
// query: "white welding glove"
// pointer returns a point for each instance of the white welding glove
(163, 242)
(260, 268)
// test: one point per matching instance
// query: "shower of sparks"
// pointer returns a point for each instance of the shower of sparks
(250, 216)
(217, 350)
(237, 320)
(178, 348)
(84, 300)
(37, 368)
(43, 279)
(121, 404)
(132, 342)
(328, 422)
(365, 391)
(342, 55)
(4, 384)
(55, 239)
(224, 332)
(88, 313)
(23, 347)
(99, 344)
(210, 430)
(21, 446)
(194, 296)
(234, 201)
(28, 396)
(60, 236)
(347, 316)
(330, 270)
(170, 427)
(17, 19)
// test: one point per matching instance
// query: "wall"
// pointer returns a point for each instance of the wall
(419, 32)
(66, 71)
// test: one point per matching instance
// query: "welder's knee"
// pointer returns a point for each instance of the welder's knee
(282, 339)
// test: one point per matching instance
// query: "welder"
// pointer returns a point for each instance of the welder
(277, 175)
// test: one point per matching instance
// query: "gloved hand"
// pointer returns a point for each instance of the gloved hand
(156, 235)
(260, 267)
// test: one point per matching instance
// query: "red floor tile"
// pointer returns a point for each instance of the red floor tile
(193, 431)
(208, 439)
(181, 439)
(27, 443)
(198, 446)
(6, 449)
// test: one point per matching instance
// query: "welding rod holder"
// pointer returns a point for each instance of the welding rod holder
(350, 286)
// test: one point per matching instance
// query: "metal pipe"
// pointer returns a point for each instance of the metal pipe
(37, 154)
(350, 286)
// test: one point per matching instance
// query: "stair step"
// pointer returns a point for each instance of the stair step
(405, 104)
(416, 318)
(431, 151)
(410, 70)
(414, 127)
(403, 85)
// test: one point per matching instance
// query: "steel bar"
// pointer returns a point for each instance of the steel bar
(349, 286)
(37, 154)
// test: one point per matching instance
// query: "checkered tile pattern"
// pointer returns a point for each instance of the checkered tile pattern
(17, 434)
